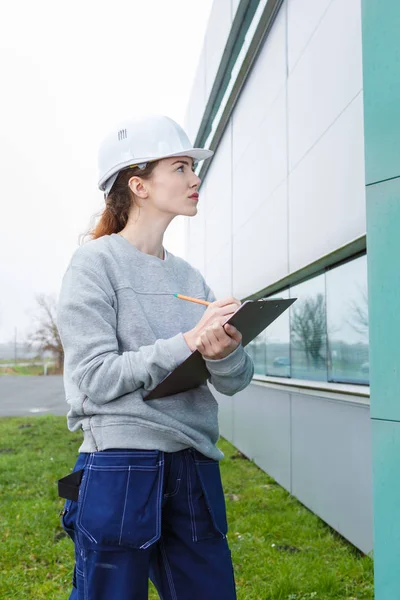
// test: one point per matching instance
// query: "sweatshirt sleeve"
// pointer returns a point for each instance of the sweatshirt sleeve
(233, 373)
(86, 320)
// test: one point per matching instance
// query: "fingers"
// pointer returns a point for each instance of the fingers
(226, 301)
(214, 335)
(233, 332)
(215, 342)
(228, 309)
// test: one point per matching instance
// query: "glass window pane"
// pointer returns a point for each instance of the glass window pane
(347, 300)
(278, 343)
(256, 349)
(308, 330)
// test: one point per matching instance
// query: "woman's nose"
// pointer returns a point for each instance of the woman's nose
(197, 181)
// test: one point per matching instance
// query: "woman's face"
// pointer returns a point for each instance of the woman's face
(172, 183)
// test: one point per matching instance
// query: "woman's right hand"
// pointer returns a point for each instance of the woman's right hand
(218, 311)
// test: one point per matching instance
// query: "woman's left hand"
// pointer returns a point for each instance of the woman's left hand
(218, 341)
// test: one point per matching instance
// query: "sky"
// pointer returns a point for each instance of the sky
(70, 72)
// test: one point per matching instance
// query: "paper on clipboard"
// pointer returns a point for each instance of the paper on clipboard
(251, 318)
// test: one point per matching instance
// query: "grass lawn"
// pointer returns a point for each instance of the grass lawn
(281, 551)
(26, 369)
(20, 370)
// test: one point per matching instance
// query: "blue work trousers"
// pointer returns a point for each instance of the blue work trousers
(149, 514)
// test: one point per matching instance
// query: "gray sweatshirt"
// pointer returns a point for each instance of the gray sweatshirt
(122, 331)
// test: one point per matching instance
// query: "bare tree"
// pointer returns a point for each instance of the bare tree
(359, 314)
(308, 328)
(45, 332)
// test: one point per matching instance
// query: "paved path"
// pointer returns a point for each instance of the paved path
(26, 395)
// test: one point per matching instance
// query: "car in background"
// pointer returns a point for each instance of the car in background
(281, 361)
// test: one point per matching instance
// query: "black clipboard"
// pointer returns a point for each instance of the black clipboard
(251, 318)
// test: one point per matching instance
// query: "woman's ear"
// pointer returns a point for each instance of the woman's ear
(137, 186)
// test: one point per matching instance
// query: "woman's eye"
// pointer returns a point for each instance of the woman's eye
(182, 167)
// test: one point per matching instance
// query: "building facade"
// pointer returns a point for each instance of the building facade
(278, 95)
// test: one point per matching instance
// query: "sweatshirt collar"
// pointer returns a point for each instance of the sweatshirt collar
(139, 254)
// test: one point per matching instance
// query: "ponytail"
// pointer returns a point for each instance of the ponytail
(119, 201)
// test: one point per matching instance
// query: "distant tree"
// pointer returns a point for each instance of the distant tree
(44, 334)
(308, 328)
(358, 314)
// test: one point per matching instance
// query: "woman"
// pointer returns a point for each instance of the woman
(148, 499)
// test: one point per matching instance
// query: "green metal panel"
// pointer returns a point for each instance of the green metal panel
(383, 245)
(381, 60)
(386, 475)
(381, 68)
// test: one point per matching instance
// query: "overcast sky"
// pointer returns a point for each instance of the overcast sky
(69, 72)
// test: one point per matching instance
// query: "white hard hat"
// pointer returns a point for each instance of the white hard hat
(139, 141)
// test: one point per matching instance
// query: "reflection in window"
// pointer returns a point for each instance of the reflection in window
(256, 349)
(278, 343)
(347, 297)
(324, 335)
(308, 330)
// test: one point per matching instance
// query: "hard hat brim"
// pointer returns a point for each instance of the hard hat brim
(107, 181)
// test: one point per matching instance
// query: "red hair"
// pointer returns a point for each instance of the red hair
(119, 202)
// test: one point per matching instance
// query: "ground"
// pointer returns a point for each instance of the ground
(281, 551)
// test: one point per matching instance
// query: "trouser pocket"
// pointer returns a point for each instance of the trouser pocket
(209, 475)
(68, 487)
(120, 498)
(67, 518)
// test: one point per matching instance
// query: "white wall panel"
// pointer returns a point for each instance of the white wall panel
(186, 237)
(303, 19)
(219, 199)
(327, 193)
(225, 413)
(261, 426)
(263, 165)
(326, 78)
(331, 464)
(197, 100)
(307, 444)
(218, 29)
(218, 273)
(267, 77)
(217, 33)
(260, 247)
(195, 248)
(284, 222)
(218, 229)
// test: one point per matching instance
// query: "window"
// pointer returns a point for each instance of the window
(308, 330)
(348, 332)
(238, 55)
(324, 335)
(278, 343)
(257, 351)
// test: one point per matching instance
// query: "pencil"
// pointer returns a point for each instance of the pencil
(192, 299)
